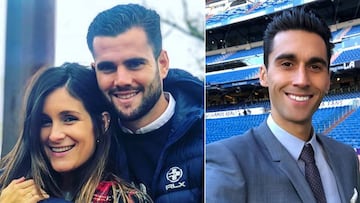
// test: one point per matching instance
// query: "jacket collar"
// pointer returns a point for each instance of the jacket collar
(286, 163)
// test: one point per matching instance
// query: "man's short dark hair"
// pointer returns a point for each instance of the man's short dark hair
(121, 18)
(298, 18)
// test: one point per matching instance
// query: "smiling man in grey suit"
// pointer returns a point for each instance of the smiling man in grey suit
(265, 164)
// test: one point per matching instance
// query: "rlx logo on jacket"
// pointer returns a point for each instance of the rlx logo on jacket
(173, 176)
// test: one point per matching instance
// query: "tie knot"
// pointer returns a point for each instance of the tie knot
(307, 154)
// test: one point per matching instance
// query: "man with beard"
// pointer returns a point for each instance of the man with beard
(160, 110)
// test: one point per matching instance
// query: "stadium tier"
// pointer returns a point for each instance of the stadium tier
(355, 30)
(217, 129)
(325, 118)
(342, 96)
(232, 76)
(236, 55)
(348, 49)
(347, 56)
(341, 123)
(233, 14)
(348, 131)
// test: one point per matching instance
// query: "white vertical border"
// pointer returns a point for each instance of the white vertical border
(3, 13)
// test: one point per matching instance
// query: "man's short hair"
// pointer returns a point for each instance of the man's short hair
(121, 18)
(298, 18)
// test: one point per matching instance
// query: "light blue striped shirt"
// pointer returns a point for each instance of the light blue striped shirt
(294, 146)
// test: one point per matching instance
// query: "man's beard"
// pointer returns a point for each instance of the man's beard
(149, 101)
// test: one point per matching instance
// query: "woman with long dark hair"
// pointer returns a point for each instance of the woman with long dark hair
(66, 138)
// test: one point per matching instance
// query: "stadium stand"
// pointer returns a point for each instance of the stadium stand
(348, 131)
(232, 76)
(235, 99)
(229, 126)
(347, 55)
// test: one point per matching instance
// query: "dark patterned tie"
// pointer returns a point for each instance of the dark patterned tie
(312, 174)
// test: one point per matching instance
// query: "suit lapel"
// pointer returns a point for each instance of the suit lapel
(281, 157)
(333, 161)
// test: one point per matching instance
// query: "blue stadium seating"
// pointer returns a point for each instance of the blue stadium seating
(347, 95)
(354, 30)
(326, 117)
(217, 129)
(217, 58)
(347, 56)
(227, 107)
(230, 56)
(254, 56)
(232, 76)
(348, 131)
(351, 41)
(335, 34)
(258, 8)
(244, 53)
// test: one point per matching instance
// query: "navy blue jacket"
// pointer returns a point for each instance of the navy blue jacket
(179, 173)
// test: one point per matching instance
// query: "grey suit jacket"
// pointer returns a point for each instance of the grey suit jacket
(256, 168)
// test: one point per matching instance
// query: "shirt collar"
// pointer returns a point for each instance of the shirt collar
(292, 144)
(156, 124)
(314, 143)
